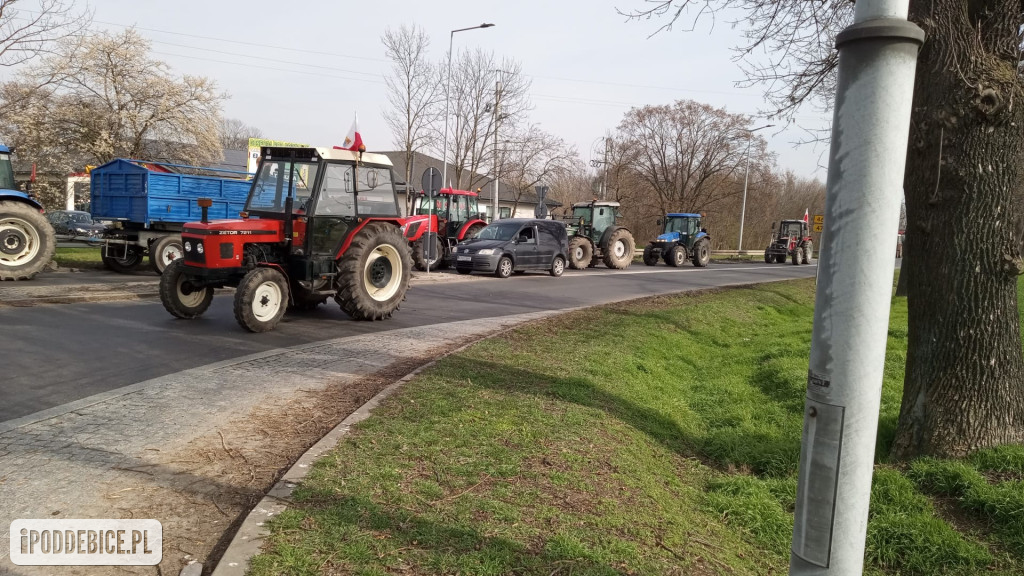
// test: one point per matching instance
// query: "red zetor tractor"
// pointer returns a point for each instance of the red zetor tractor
(318, 223)
(453, 215)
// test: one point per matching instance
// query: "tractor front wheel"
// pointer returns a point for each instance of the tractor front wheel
(701, 254)
(373, 275)
(27, 241)
(581, 251)
(179, 296)
(795, 255)
(650, 258)
(618, 254)
(768, 258)
(261, 299)
(164, 251)
(676, 256)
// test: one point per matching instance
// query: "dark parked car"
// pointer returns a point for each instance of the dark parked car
(74, 225)
(514, 245)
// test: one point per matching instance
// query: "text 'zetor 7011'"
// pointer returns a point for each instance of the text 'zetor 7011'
(318, 223)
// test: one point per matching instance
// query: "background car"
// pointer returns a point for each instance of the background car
(75, 225)
(514, 245)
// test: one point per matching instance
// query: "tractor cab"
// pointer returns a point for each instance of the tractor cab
(591, 219)
(318, 222)
(6, 170)
(453, 215)
(682, 228)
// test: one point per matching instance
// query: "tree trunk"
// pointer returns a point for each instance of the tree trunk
(964, 382)
(901, 283)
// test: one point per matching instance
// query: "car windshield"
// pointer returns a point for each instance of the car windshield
(499, 231)
(79, 218)
(6, 172)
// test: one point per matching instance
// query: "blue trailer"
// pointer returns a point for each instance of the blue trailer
(149, 202)
(27, 241)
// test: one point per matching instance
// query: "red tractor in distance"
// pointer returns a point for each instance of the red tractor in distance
(453, 215)
(791, 240)
(318, 223)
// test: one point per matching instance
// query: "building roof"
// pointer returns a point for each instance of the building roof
(485, 183)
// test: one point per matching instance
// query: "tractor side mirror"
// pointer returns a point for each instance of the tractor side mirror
(773, 226)
(660, 222)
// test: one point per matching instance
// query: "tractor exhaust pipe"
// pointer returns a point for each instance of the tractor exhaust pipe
(204, 205)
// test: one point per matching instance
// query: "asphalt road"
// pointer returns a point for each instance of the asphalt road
(58, 354)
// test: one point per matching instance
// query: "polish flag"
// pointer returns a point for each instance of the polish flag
(807, 216)
(354, 140)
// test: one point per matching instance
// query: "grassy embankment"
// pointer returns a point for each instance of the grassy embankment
(658, 437)
(86, 257)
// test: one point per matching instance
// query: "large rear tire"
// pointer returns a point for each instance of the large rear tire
(768, 258)
(261, 299)
(808, 253)
(650, 258)
(164, 251)
(676, 256)
(178, 295)
(419, 254)
(27, 241)
(618, 254)
(701, 254)
(472, 231)
(581, 251)
(373, 274)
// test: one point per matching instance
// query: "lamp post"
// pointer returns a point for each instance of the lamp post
(447, 98)
(746, 177)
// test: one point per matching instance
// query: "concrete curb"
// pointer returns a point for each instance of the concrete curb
(248, 540)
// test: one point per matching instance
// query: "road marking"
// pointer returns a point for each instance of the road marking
(658, 270)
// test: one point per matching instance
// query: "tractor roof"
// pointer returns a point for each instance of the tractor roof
(334, 154)
(682, 215)
(793, 222)
(595, 203)
(4, 148)
(451, 192)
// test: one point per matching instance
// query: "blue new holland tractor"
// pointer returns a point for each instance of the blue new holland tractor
(683, 239)
(27, 241)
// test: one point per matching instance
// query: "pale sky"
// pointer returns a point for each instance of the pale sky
(299, 71)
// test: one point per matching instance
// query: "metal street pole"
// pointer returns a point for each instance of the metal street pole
(604, 182)
(497, 119)
(746, 177)
(870, 127)
(447, 99)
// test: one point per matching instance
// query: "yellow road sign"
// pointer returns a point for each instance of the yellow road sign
(819, 219)
(819, 227)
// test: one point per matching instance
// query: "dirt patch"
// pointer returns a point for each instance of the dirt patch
(202, 491)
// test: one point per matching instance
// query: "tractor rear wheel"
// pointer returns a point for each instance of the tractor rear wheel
(780, 258)
(618, 254)
(701, 254)
(676, 256)
(261, 299)
(373, 275)
(420, 257)
(472, 231)
(164, 251)
(27, 241)
(768, 258)
(808, 253)
(581, 252)
(649, 257)
(178, 295)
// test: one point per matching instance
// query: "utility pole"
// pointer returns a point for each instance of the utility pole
(746, 178)
(871, 124)
(604, 184)
(497, 120)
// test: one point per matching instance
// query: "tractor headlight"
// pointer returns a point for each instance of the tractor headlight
(486, 252)
(199, 247)
(188, 246)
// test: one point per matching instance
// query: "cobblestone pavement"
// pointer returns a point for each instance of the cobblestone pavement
(59, 466)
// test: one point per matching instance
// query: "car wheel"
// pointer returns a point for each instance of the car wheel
(504, 269)
(558, 266)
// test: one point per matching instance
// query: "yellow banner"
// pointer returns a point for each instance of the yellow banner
(254, 150)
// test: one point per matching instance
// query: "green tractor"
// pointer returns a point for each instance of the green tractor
(594, 236)
(683, 239)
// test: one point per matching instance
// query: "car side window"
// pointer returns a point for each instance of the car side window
(527, 236)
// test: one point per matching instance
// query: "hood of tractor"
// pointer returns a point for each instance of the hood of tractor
(252, 226)
(669, 237)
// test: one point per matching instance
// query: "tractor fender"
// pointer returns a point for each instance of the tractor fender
(608, 234)
(397, 222)
(19, 197)
(701, 235)
(466, 226)
(279, 268)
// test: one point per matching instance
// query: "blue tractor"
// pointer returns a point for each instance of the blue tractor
(27, 240)
(683, 239)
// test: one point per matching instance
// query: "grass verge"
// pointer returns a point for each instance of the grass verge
(655, 437)
(86, 257)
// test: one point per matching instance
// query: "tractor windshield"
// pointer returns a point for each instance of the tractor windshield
(440, 205)
(499, 231)
(6, 172)
(276, 180)
(581, 212)
(676, 225)
(791, 229)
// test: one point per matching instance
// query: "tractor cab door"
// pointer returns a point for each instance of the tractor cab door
(459, 214)
(604, 218)
(276, 182)
(332, 217)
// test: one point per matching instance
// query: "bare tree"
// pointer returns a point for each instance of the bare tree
(472, 117)
(415, 92)
(235, 134)
(686, 153)
(29, 29)
(532, 158)
(964, 383)
(101, 97)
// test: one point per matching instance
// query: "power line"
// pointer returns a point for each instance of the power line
(265, 59)
(317, 74)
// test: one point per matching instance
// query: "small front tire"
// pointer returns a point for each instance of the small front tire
(261, 299)
(557, 267)
(650, 258)
(178, 295)
(504, 269)
(701, 254)
(676, 256)
(581, 252)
